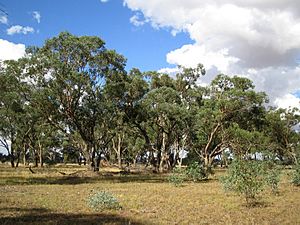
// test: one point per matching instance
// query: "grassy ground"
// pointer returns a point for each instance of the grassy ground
(49, 197)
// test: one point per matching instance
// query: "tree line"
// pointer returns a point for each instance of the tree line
(74, 96)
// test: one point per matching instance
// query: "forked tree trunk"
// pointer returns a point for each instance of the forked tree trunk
(208, 162)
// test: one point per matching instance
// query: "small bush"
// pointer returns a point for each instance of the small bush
(177, 177)
(196, 172)
(296, 175)
(245, 178)
(273, 179)
(103, 200)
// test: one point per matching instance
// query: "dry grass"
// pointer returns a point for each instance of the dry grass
(48, 197)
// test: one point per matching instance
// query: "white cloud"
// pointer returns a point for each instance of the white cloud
(137, 21)
(19, 30)
(172, 71)
(11, 50)
(288, 101)
(191, 55)
(3, 19)
(104, 1)
(254, 38)
(37, 16)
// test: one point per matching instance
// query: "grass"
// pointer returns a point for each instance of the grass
(48, 197)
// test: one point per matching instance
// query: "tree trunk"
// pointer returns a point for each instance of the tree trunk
(180, 162)
(41, 160)
(12, 156)
(119, 161)
(135, 160)
(18, 158)
(36, 159)
(163, 153)
(86, 155)
(224, 161)
(24, 154)
(208, 162)
(118, 149)
(97, 160)
(93, 156)
(41, 155)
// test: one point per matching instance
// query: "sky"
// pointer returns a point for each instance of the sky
(258, 39)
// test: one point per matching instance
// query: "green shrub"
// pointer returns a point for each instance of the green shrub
(177, 177)
(245, 178)
(296, 175)
(103, 200)
(196, 171)
(273, 179)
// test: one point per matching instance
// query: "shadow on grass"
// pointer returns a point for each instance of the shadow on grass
(73, 180)
(44, 216)
(53, 176)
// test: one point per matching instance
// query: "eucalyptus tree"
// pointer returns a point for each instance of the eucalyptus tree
(158, 111)
(13, 108)
(165, 108)
(81, 81)
(228, 101)
(135, 116)
(281, 127)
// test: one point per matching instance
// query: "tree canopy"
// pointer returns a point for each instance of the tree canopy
(74, 95)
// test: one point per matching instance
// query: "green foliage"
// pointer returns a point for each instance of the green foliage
(102, 200)
(284, 138)
(273, 179)
(247, 178)
(296, 175)
(196, 171)
(75, 90)
(177, 177)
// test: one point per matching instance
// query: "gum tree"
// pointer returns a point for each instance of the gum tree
(227, 101)
(80, 84)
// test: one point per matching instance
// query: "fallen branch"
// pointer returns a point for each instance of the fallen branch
(31, 169)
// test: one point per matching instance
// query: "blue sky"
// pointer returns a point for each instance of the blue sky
(144, 47)
(256, 39)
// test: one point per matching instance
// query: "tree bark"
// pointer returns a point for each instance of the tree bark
(118, 150)
(92, 157)
(24, 154)
(97, 160)
(41, 155)
(36, 159)
(207, 162)
(18, 158)
(163, 153)
(12, 156)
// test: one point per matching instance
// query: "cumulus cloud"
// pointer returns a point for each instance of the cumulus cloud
(170, 71)
(37, 16)
(137, 21)
(254, 38)
(11, 50)
(103, 1)
(3, 19)
(19, 30)
(288, 101)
